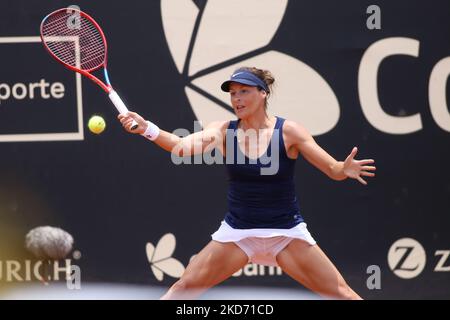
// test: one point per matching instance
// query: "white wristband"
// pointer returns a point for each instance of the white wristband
(152, 131)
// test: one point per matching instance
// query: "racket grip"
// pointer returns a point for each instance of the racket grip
(120, 106)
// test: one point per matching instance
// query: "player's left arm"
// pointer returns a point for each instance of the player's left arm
(302, 141)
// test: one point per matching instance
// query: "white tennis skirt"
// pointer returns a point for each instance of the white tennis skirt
(228, 234)
(262, 245)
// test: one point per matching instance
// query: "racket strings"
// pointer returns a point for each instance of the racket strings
(76, 41)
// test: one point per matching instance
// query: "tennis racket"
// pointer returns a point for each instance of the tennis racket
(74, 39)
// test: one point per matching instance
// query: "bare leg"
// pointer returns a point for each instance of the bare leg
(310, 266)
(214, 264)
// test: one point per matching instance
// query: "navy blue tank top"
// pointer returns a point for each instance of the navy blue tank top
(261, 191)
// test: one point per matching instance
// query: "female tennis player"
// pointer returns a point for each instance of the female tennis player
(263, 223)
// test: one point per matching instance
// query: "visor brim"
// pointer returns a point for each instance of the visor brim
(226, 85)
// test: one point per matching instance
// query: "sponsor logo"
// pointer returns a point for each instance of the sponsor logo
(205, 43)
(46, 103)
(407, 258)
(163, 263)
(161, 260)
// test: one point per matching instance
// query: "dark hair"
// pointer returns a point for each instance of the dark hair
(264, 75)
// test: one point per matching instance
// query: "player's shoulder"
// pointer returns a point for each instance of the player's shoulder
(220, 125)
(294, 129)
(290, 126)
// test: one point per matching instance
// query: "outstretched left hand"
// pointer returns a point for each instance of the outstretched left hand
(356, 168)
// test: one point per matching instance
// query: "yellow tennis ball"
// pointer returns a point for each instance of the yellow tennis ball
(96, 124)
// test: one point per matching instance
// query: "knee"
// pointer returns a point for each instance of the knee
(188, 284)
(185, 284)
(345, 292)
(184, 288)
(180, 285)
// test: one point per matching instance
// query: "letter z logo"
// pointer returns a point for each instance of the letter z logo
(406, 258)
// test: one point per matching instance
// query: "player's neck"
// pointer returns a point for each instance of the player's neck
(257, 122)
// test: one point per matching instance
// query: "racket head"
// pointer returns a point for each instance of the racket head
(74, 39)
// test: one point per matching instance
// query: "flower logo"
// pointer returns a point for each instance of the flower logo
(161, 260)
(208, 40)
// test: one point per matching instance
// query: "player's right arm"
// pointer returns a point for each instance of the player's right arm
(212, 136)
